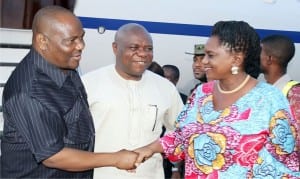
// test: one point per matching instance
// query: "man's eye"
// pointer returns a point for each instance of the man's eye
(149, 49)
(133, 48)
(72, 40)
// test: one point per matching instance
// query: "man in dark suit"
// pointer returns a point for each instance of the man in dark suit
(48, 128)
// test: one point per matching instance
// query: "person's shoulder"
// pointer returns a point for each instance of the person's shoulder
(292, 84)
(292, 87)
(22, 76)
(151, 75)
(270, 93)
(266, 88)
(296, 85)
(96, 73)
(160, 81)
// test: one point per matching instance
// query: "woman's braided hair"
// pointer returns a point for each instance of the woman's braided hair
(239, 36)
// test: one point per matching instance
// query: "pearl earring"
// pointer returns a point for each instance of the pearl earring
(234, 70)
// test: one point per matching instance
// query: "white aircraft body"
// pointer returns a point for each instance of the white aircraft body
(177, 25)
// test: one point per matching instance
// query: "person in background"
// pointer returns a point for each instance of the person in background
(234, 125)
(48, 129)
(129, 103)
(277, 52)
(167, 165)
(197, 65)
(176, 170)
(156, 68)
(172, 73)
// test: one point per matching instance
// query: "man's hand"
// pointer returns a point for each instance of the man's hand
(147, 151)
(126, 160)
(144, 154)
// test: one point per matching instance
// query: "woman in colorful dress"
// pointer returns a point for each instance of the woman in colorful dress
(234, 126)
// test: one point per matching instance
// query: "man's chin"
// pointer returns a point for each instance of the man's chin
(74, 65)
(202, 78)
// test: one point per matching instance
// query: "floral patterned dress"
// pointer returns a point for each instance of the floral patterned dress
(294, 100)
(252, 138)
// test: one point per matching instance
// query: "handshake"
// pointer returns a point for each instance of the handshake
(130, 160)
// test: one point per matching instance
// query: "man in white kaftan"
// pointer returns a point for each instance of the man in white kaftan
(129, 112)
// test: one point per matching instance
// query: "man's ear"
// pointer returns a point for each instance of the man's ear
(42, 41)
(115, 47)
(270, 60)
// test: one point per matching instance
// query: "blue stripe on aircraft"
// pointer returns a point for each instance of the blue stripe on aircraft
(173, 28)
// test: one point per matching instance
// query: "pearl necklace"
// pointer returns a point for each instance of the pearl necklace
(236, 89)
